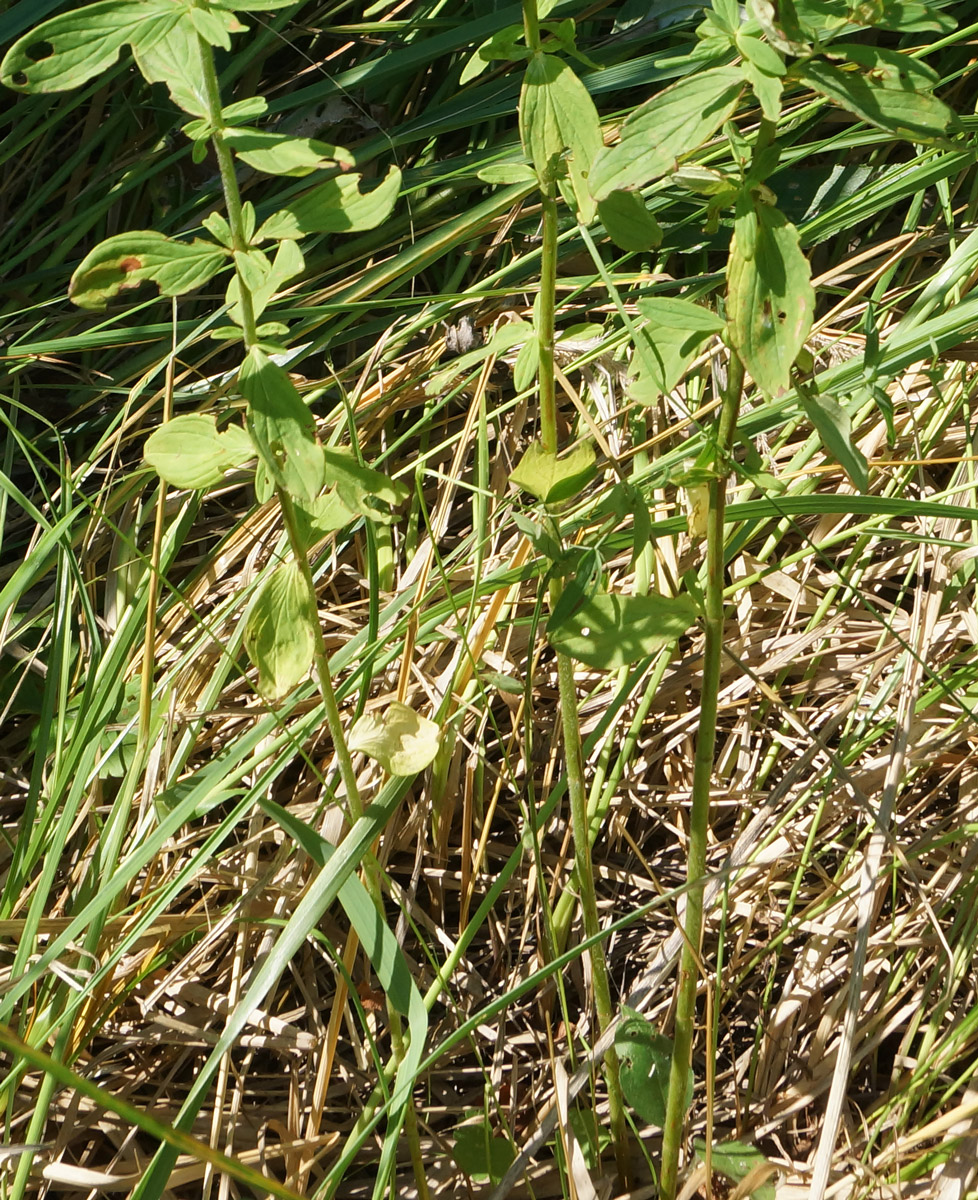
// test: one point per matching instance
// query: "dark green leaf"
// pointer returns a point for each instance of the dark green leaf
(645, 1056)
(735, 1161)
(835, 429)
(608, 632)
(628, 222)
(480, 1155)
(129, 259)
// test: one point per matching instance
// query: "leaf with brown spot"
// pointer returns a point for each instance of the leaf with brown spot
(129, 259)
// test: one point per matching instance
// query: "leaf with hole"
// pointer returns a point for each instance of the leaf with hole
(672, 124)
(189, 452)
(645, 1057)
(280, 631)
(607, 632)
(282, 427)
(336, 206)
(736, 1161)
(770, 300)
(552, 479)
(397, 737)
(68, 50)
(129, 259)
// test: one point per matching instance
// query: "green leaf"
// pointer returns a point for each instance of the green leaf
(770, 301)
(188, 451)
(676, 333)
(672, 124)
(835, 429)
(397, 737)
(735, 1161)
(174, 59)
(504, 44)
(66, 51)
(608, 632)
(336, 206)
(527, 363)
(767, 88)
(249, 109)
(215, 26)
(282, 427)
(322, 516)
(645, 1056)
(552, 479)
(917, 116)
(628, 222)
(280, 154)
(557, 114)
(480, 1155)
(359, 486)
(263, 278)
(280, 631)
(512, 172)
(252, 5)
(129, 259)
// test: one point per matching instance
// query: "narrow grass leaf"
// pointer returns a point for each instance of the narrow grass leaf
(129, 259)
(189, 452)
(610, 631)
(280, 631)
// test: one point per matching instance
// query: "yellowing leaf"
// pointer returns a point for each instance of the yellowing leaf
(552, 479)
(280, 631)
(397, 737)
(188, 452)
(129, 259)
(770, 301)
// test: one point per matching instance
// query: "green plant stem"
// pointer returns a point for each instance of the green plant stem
(531, 25)
(699, 817)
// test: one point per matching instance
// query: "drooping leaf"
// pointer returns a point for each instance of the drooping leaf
(280, 154)
(174, 59)
(737, 1160)
(645, 1056)
(280, 631)
(397, 737)
(915, 115)
(336, 206)
(359, 487)
(129, 259)
(267, 277)
(480, 1154)
(557, 115)
(282, 426)
(552, 479)
(835, 429)
(628, 222)
(770, 301)
(675, 122)
(677, 331)
(189, 452)
(68, 50)
(322, 516)
(608, 632)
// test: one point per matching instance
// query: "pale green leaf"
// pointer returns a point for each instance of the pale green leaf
(507, 173)
(280, 154)
(677, 331)
(735, 1161)
(189, 452)
(770, 300)
(397, 737)
(674, 123)
(215, 26)
(527, 363)
(552, 479)
(645, 1057)
(66, 51)
(336, 206)
(767, 88)
(174, 59)
(628, 222)
(248, 109)
(835, 429)
(917, 116)
(253, 5)
(280, 631)
(557, 115)
(359, 486)
(282, 427)
(129, 259)
(263, 278)
(608, 632)
(323, 516)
